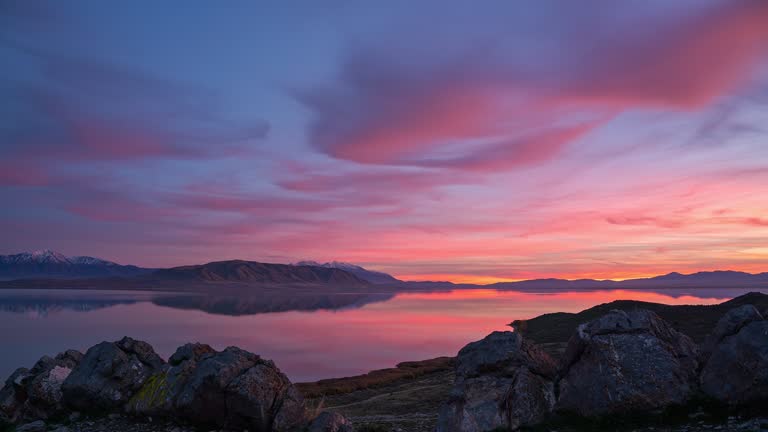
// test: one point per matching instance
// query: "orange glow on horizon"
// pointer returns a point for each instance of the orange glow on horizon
(617, 277)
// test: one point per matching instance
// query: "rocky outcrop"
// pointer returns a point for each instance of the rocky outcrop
(736, 370)
(502, 381)
(31, 394)
(109, 374)
(626, 362)
(233, 388)
(730, 324)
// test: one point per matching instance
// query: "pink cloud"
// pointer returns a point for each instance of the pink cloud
(643, 220)
(379, 113)
(755, 221)
(688, 64)
(513, 153)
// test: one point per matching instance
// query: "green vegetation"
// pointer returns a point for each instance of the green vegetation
(152, 394)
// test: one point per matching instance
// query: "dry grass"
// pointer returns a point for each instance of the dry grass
(377, 378)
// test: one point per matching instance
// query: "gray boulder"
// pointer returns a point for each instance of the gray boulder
(730, 324)
(626, 362)
(330, 422)
(158, 395)
(502, 381)
(32, 394)
(736, 371)
(109, 374)
(12, 397)
(232, 389)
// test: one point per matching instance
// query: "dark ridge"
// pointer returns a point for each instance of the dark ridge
(251, 271)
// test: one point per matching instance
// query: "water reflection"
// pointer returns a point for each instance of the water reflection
(42, 303)
(270, 303)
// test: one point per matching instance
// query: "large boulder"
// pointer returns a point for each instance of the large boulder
(736, 371)
(12, 397)
(730, 324)
(159, 393)
(32, 394)
(502, 381)
(626, 361)
(231, 389)
(109, 374)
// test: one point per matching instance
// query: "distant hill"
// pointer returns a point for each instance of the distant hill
(712, 279)
(48, 269)
(49, 264)
(256, 272)
(363, 273)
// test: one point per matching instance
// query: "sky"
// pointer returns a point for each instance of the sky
(434, 140)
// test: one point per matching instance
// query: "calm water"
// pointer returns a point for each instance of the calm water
(308, 336)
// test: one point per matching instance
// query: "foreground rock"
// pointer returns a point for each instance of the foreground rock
(736, 371)
(233, 389)
(730, 324)
(502, 381)
(626, 362)
(31, 394)
(200, 387)
(109, 374)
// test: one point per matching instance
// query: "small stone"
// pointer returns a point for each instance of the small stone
(114, 416)
(61, 429)
(35, 426)
(75, 416)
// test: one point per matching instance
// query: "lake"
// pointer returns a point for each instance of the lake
(310, 337)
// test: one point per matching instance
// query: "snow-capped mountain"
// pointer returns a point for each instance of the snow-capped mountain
(363, 273)
(40, 257)
(51, 264)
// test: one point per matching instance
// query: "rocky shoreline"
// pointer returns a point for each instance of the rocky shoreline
(623, 370)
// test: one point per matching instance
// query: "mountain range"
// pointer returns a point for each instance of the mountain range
(47, 269)
(49, 264)
(261, 273)
(714, 279)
